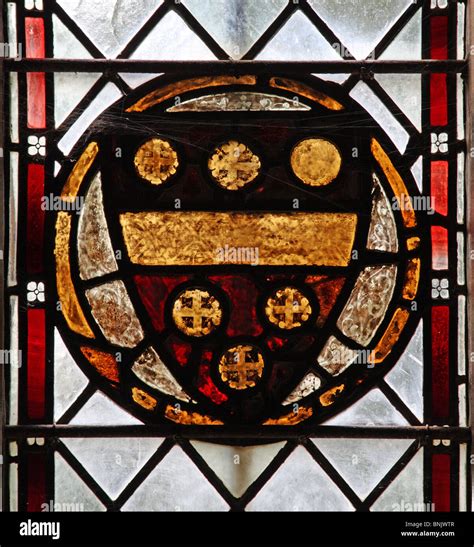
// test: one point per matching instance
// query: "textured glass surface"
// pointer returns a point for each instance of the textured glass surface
(112, 462)
(335, 357)
(375, 284)
(109, 94)
(175, 484)
(113, 310)
(405, 493)
(373, 409)
(95, 253)
(460, 189)
(157, 45)
(13, 486)
(298, 40)
(405, 91)
(13, 96)
(110, 24)
(100, 410)
(460, 258)
(69, 381)
(376, 108)
(15, 362)
(417, 172)
(13, 217)
(461, 335)
(294, 485)
(407, 43)
(308, 385)
(71, 494)
(462, 405)
(460, 30)
(382, 234)
(238, 101)
(153, 372)
(360, 24)
(406, 377)
(237, 466)
(235, 24)
(460, 106)
(362, 463)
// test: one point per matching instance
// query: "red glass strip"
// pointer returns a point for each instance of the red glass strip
(439, 186)
(439, 99)
(439, 246)
(36, 490)
(439, 37)
(440, 362)
(35, 81)
(36, 364)
(35, 218)
(441, 485)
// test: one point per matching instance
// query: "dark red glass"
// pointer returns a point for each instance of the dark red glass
(439, 99)
(440, 362)
(36, 364)
(441, 482)
(242, 293)
(36, 490)
(35, 218)
(154, 291)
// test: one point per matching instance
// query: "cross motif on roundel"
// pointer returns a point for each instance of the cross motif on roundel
(241, 366)
(196, 312)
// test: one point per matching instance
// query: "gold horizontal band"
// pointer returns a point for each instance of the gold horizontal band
(196, 238)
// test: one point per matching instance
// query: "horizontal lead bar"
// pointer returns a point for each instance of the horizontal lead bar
(248, 433)
(151, 66)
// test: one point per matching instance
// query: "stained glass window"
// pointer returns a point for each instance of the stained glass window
(236, 256)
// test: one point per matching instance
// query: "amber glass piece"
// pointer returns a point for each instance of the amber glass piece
(79, 171)
(184, 417)
(233, 165)
(103, 362)
(306, 91)
(288, 308)
(156, 161)
(316, 162)
(327, 290)
(241, 366)
(390, 336)
(292, 418)
(143, 398)
(196, 312)
(396, 182)
(156, 238)
(172, 90)
(412, 278)
(70, 306)
(329, 396)
(413, 243)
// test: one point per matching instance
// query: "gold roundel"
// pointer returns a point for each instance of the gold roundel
(315, 162)
(196, 312)
(233, 165)
(241, 366)
(288, 308)
(156, 160)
